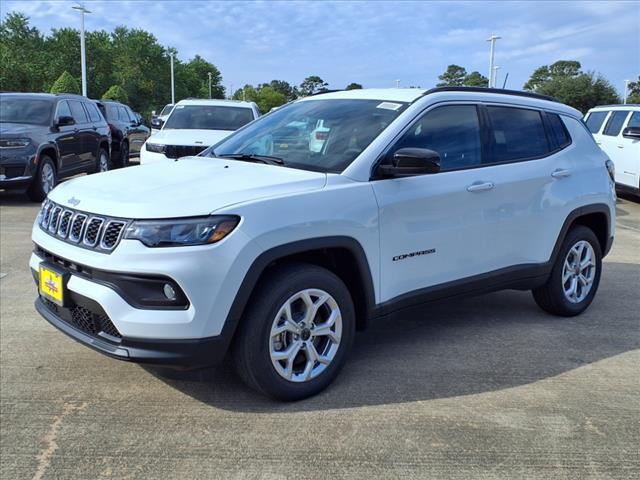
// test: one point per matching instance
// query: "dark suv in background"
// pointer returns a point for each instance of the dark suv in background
(128, 131)
(44, 137)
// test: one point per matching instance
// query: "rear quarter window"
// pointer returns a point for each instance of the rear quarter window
(634, 121)
(517, 134)
(94, 114)
(595, 120)
(559, 136)
(614, 125)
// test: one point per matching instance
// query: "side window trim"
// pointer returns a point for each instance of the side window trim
(548, 129)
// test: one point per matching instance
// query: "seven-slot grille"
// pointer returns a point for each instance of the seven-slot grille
(98, 233)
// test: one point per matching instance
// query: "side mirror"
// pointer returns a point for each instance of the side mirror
(407, 162)
(64, 121)
(631, 132)
(157, 123)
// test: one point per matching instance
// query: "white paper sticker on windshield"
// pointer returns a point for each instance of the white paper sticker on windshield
(178, 107)
(389, 105)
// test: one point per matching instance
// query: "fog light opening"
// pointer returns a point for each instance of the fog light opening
(169, 292)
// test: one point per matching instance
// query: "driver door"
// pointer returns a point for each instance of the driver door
(437, 228)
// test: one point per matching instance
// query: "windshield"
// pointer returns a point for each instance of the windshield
(320, 135)
(166, 110)
(208, 117)
(34, 111)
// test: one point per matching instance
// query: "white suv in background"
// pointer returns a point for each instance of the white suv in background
(616, 129)
(277, 253)
(193, 125)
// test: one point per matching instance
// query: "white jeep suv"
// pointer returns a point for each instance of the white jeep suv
(278, 253)
(616, 129)
(194, 125)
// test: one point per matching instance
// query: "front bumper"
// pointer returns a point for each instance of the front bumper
(183, 353)
(16, 172)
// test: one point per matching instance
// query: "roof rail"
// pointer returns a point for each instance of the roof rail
(618, 105)
(501, 91)
(325, 91)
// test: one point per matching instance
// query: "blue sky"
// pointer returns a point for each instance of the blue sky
(372, 42)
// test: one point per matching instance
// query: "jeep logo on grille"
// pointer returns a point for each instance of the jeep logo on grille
(73, 201)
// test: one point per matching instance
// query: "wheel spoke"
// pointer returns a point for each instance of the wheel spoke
(289, 324)
(326, 331)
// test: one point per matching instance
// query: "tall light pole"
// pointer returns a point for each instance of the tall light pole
(495, 75)
(83, 56)
(397, 83)
(173, 85)
(492, 39)
(209, 74)
(626, 89)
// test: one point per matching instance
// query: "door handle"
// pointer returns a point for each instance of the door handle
(560, 173)
(620, 146)
(480, 186)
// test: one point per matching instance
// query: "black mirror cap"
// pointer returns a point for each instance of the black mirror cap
(411, 161)
(631, 132)
(64, 120)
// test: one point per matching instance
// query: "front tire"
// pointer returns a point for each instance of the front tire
(44, 181)
(102, 162)
(575, 276)
(124, 155)
(296, 333)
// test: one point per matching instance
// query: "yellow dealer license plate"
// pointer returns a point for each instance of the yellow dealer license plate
(52, 284)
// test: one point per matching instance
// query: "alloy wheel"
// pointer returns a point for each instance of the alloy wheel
(47, 178)
(578, 271)
(305, 335)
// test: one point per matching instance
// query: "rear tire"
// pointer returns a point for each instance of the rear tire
(296, 332)
(44, 180)
(103, 163)
(124, 155)
(575, 275)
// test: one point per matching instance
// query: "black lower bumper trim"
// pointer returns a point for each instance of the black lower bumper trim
(182, 353)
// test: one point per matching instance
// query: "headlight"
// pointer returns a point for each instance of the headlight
(14, 142)
(155, 147)
(182, 232)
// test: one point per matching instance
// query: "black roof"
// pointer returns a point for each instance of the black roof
(46, 95)
(500, 91)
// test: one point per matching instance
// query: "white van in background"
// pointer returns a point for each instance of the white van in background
(616, 129)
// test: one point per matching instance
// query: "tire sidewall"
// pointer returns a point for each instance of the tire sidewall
(124, 154)
(575, 235)
(260, 320)
(36, 192)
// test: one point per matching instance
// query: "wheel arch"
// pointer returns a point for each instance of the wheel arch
(342, 255)
(50, 150)
(597, 217)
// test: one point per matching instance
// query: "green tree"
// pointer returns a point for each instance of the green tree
(66, 84)
(353, 86)
(312, 85)
(454, 76)
(280, 86)
(476, 79)
(565, 81)
(248, 93)
(268, 98)
(634, 92)
(22, 55)
(116, 93)
(197, 79)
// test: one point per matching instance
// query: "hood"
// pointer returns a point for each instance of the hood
(191, 186)
(17, 129)
(189, 137)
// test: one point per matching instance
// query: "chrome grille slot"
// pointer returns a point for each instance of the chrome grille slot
(92, 232)
(76, 227)
(111, 234)
(64, 223)
(55, 216)
(46, 214)
(99, 233)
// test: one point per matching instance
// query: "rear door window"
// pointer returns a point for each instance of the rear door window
(595, 120)
(94, 114)
(614, 125)
(123, 115)
(112, 112)
(559, 136)
(516, 134)
(78, 113)
(634, 121)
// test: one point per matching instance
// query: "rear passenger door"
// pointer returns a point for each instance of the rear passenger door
(527, 161)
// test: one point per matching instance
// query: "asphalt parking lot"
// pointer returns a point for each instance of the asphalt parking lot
(487, 387)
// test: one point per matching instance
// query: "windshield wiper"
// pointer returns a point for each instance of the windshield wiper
(250, 157)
